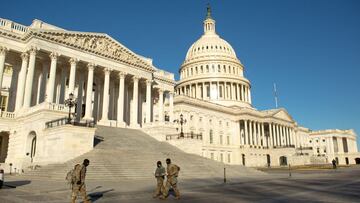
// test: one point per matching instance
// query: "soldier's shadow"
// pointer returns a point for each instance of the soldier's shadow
(94, 196)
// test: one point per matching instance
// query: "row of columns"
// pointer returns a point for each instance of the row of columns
(229, 90)
(26, 79)
(278, 135)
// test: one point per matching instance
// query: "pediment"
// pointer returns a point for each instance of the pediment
(96, 43)
(282, 114)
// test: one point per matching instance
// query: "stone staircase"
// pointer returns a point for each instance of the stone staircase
(132, 154)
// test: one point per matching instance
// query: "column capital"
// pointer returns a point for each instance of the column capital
(33, 50)
(149, 81)
(3, 50)
(53, 55)
(24, 56)
(122, 74)
(91, 66)
(73, 61)
(161, 90)
(107, 71)
(136, 78)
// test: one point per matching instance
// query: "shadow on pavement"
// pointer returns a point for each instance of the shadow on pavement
(14, 184)
(94, 196)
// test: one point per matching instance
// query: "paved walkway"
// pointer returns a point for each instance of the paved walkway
(342, 185)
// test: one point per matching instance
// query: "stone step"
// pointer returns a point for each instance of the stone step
(132, 154)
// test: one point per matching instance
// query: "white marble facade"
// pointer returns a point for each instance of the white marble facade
(41, 64)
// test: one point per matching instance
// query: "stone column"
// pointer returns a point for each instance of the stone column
(21, 81)
(275, 135)
(190, 90)
(120, 102)
(134, 114)
(264, 138)
(218, 90)
(171, 106)
(246, 136)
(233, 93)
(255, 133)
(238, 91)
(245, 92)
(249, 95)
(30, 77)
(73, 62)
(148, 100)
(290, 136)
(161, 103)
(89, 89)
(225, 91)
(271, 135)
(251, 133)
(3, 51)
(52, 76)
(258, 134)
(105, 107)
(204, 91)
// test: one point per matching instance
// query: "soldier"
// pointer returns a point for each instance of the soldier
(160, 176)
(172, 174)
(334, 163)
(79, 183)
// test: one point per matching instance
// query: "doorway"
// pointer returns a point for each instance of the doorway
(283, 161)
(243, 159)
(268, 160)
(4, 143)
(31, 146)
(347, 160)
(357, 160)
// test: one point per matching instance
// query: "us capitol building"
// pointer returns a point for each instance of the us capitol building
(43, 68)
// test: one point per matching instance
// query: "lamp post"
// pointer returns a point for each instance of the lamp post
(182, 121)
(70, 102)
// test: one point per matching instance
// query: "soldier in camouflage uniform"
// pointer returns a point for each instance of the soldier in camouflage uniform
(171, 182)
(79, 185)
(160, 176)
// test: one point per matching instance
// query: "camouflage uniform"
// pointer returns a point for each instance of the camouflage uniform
(172, 174)
(80, 188)
(159, 175)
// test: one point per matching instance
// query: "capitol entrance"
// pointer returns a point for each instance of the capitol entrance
(4, 143)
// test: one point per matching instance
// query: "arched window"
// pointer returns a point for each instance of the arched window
(219, 68)
(207, 68)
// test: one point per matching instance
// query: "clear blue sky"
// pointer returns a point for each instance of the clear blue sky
(310, 48)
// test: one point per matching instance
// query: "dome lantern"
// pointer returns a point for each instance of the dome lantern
(209, 23)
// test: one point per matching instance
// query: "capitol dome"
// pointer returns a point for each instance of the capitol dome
(211, 71)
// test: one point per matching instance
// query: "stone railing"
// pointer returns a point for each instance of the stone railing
(12, 26)
(64, 121)
(5, 114)
(285, 146)
(185, 136)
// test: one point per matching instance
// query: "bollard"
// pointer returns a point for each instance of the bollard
(1, 178)
(289, 170)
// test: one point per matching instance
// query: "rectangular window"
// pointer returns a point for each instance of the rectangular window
(3, 103)
(212, 156)
(228, 140)
(221, 139)
(221, 91)
(208, 91)
(211, 137)
(221, 157)
(228, 158)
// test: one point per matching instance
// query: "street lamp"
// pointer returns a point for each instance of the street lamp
(182, 121)
(70, 102)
